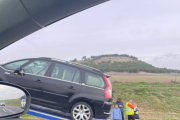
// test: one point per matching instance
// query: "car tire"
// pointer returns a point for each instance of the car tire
(81, 111)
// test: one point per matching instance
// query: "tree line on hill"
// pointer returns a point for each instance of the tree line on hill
(114, 55)
(84, 58)
(132, 66)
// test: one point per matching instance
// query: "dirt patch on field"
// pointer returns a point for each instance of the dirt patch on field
(125, 77)
(141, 73)
(148, 79)
(113, 59)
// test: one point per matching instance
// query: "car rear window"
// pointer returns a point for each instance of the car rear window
(94, 80)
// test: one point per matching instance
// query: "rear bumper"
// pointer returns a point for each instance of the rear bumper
(102, 111)
(102, 116)
(107, 113)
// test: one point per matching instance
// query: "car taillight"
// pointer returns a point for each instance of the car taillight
(108, 89)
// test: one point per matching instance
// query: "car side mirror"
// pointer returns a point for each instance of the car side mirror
(19, 72)
(14, 100)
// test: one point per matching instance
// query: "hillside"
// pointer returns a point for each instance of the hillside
(121, 63)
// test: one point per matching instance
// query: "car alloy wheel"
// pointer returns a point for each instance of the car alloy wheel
(81, 111)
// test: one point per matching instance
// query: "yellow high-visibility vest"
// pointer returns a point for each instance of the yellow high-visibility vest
(129, 111)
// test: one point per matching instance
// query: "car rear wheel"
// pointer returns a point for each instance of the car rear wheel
(81, 111)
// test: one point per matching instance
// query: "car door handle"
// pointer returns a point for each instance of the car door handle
(72, 88)
(39, 81)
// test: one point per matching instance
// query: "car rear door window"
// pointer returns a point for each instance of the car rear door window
(94, 80)
(64, 72)
(37, 67)
(15, 65)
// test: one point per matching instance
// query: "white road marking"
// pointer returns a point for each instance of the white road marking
(4, 110)
(10, 110)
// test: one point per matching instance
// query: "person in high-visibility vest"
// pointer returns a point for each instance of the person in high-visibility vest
(130, 110)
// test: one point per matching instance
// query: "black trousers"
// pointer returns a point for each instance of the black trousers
(122, 113)
(131, 117)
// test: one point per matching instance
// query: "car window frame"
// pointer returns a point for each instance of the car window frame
(16, 61)
(45, 75)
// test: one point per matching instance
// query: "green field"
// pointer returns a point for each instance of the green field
(13, 102)
(124, 77)
(26, 116)
(157, 95)
(157, 101)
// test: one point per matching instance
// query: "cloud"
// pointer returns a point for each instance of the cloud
(138, 28)
(8, 92)
(170, 60)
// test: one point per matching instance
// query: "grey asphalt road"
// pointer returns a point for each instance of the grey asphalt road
(9, 110)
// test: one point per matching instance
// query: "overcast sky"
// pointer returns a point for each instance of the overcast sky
(8, 93)
(149, 30)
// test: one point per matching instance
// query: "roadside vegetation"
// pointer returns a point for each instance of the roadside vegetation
(13, 102)
(26, 116)
(155, 91)
(155, 101)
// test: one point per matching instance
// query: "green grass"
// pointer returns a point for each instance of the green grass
(26, 116)
(13, 102)
(154, 100)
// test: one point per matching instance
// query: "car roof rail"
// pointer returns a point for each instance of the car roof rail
(45, 58)
(78, 64)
